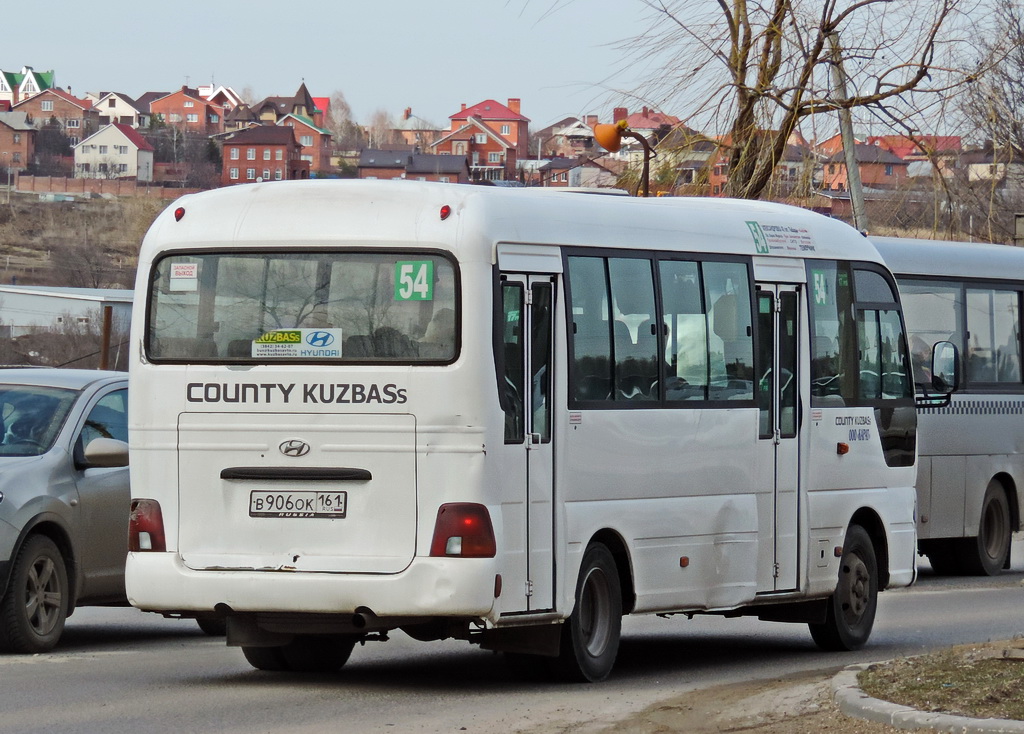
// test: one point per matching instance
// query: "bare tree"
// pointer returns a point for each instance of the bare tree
(381, 130)
(755, 69)
(347, 134)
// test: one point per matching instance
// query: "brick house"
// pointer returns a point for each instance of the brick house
(493, 136)
(264, 152)
(17, 142)
(114, 151)
(273, 109)
(77, 117)
(17, 87)
(879, 169)
(187, 109)
(314, 139)
(415, 130)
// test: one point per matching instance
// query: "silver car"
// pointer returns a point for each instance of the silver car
(64, 498)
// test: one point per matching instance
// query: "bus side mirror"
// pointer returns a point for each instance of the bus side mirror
(945, 368)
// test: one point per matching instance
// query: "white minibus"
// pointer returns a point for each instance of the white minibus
(971, 477)
(511, 417)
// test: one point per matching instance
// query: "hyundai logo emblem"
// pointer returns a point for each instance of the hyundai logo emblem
(320, 339)
(295, 447)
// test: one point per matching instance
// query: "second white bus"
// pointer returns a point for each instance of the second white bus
(512, 417)
(971, 477)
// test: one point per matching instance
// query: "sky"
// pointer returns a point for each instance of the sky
(560, 57)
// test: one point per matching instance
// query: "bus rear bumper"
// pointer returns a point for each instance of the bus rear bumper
(429, 588)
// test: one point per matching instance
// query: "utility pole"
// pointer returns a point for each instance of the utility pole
(860, 217)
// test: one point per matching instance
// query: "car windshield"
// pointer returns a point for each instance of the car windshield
(31, 417)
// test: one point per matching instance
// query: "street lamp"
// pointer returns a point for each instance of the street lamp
(610, 138)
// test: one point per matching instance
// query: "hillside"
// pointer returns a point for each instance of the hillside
(87, 243)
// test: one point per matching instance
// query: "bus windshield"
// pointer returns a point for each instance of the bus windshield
(396, 307)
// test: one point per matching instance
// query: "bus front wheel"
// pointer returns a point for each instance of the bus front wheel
(850, 613)
(590, 637)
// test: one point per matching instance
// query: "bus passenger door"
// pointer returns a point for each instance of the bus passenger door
(778, 433)
(528, 302)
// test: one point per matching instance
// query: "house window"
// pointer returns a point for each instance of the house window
(73, 140)
(278, 155)
(234, 154)
(250, 154)
(102, 168)
(191, 117)
(16, 158)
(494, 157)
(47, 105)
(17, 138)
(214, 118)
(306, 140)
(121, 149)
(831, 168)
(277, 174)
(250, 174)
(444, 179)
(111, 103)
(189, 103)
(103, 150)
(506, 129)
(74, 123)
(266, 154)
(888, 169)
(563, 177)
(480, 138)
(460, 149)
(122, 168)
(233, 174)
(266, 174)
(82, 320)
(174, 117)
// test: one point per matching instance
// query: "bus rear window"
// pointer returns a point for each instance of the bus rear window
(397, 307)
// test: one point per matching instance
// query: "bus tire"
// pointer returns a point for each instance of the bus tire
(318, 653)
(985, 555)
(33, 612)
(590, 637)
(850, 613)
(265, 658)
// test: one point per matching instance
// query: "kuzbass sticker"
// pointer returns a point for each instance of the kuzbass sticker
(285, 343)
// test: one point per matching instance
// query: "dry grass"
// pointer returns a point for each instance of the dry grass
(980, 681)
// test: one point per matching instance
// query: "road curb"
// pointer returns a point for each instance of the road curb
(852, 701)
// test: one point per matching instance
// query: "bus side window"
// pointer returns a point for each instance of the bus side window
(592, 367)
(634, 329)
(730, 335)
(686, 346)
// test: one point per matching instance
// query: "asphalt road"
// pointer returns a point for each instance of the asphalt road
(119, 671)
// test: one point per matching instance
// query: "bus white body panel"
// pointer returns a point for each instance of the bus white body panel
(316, 486)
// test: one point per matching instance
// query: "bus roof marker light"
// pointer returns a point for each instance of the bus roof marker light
(446, 211)
(179, 213)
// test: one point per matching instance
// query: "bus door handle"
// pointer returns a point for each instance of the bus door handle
(297, 473)
(534, 438)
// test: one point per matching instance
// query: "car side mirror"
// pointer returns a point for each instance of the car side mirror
(106, 452)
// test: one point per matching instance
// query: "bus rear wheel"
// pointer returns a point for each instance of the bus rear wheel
(986, 554)
(590, 637)
(850, 613)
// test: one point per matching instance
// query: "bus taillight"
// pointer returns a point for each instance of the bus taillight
(463, 529)
(146, 527)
